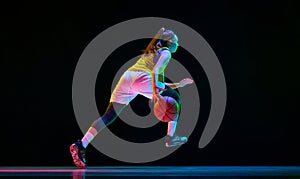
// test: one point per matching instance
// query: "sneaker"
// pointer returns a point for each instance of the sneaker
(175, 140)
(78, 154)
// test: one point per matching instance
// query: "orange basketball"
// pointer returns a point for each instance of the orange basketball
(166, 110)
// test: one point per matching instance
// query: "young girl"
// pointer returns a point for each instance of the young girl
(145, 77)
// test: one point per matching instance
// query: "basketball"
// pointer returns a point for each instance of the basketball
(166, 110)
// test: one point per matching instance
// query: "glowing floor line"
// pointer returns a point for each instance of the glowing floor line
(154, 171)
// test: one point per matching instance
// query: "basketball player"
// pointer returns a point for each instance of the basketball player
(145, 77)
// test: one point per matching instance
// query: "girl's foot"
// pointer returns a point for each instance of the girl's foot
(175, 140)
(78, 154)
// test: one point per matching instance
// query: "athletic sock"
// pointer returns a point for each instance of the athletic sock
(89, 136)
(171, 128)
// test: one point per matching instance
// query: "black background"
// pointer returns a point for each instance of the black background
(257, 43)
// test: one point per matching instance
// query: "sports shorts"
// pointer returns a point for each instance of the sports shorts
(131, 84)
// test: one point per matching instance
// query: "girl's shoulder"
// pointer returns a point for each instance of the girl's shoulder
(162, 49)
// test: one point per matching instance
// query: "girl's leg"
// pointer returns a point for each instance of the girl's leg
(171, 128)
(112, 111)
(172, 139)
(172, 124)
(77, 149)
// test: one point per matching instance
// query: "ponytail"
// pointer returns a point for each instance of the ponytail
(155, 42)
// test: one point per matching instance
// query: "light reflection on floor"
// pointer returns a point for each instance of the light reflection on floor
(220, 172)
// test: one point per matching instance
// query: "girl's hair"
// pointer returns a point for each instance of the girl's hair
(160, 39)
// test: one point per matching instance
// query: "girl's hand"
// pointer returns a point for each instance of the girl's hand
(185, 81)
(156, 97)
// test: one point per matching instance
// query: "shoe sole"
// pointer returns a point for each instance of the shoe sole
(175, 144)
(74, 152)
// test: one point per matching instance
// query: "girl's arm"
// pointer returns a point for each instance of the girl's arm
(159, 67)
(182, 83)
(173, 85)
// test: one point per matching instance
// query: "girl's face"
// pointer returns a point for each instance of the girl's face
(173, 44)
